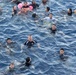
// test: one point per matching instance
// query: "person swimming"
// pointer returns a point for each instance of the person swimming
(11, 67)
(30, 42)
(28, 61)
(9, 41)
(62, 56)
(35, 16)
(25, 10)
(14, 11)
(44, 2)
(69, 12)
(47, 11)
(53, 29)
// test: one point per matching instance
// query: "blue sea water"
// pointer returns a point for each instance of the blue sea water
(45, 59)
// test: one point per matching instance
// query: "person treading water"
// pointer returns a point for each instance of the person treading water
(30, 42)
(62, 55)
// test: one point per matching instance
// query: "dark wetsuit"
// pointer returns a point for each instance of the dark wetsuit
(53, 31)
(15, 12)
(70, 14)
(62, 56)
(11, 70)
(27, 64)
(29, 43)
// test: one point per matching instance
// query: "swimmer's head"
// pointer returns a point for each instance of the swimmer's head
(47, 9)
(69, 11)
(50, 15)
(34, 15)
(33, 2)
(14, 8)
(53, 27)
(61, 51)
(44, 1)
(28, 59)
(8, 40)
(11, 66)
(30, 38)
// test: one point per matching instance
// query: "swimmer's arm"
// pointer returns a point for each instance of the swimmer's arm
(26, 42)
(35, 41)
(38, 44)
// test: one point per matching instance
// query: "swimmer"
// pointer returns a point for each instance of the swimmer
(49, 20)
(47, 9)
(11, 67)
(30, 42)
(9, 41)
(44, 2)
(49, 17)
(25, 10)
(34, 4)
(47, 12)
(69, 12)
(28, 61)
(53, 29)
(34, 15)
(62, 56)
(14, 11)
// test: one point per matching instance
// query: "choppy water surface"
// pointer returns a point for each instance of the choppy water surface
(44, 59)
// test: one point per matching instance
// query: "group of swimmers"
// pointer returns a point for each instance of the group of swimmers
(26, 7)
(29, 43)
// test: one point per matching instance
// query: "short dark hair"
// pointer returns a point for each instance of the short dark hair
(8, 39)
(48, 8)
(62, 49)
(34, 15)
(27, 59)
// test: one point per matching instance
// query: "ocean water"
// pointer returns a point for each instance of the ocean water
(45, 59)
